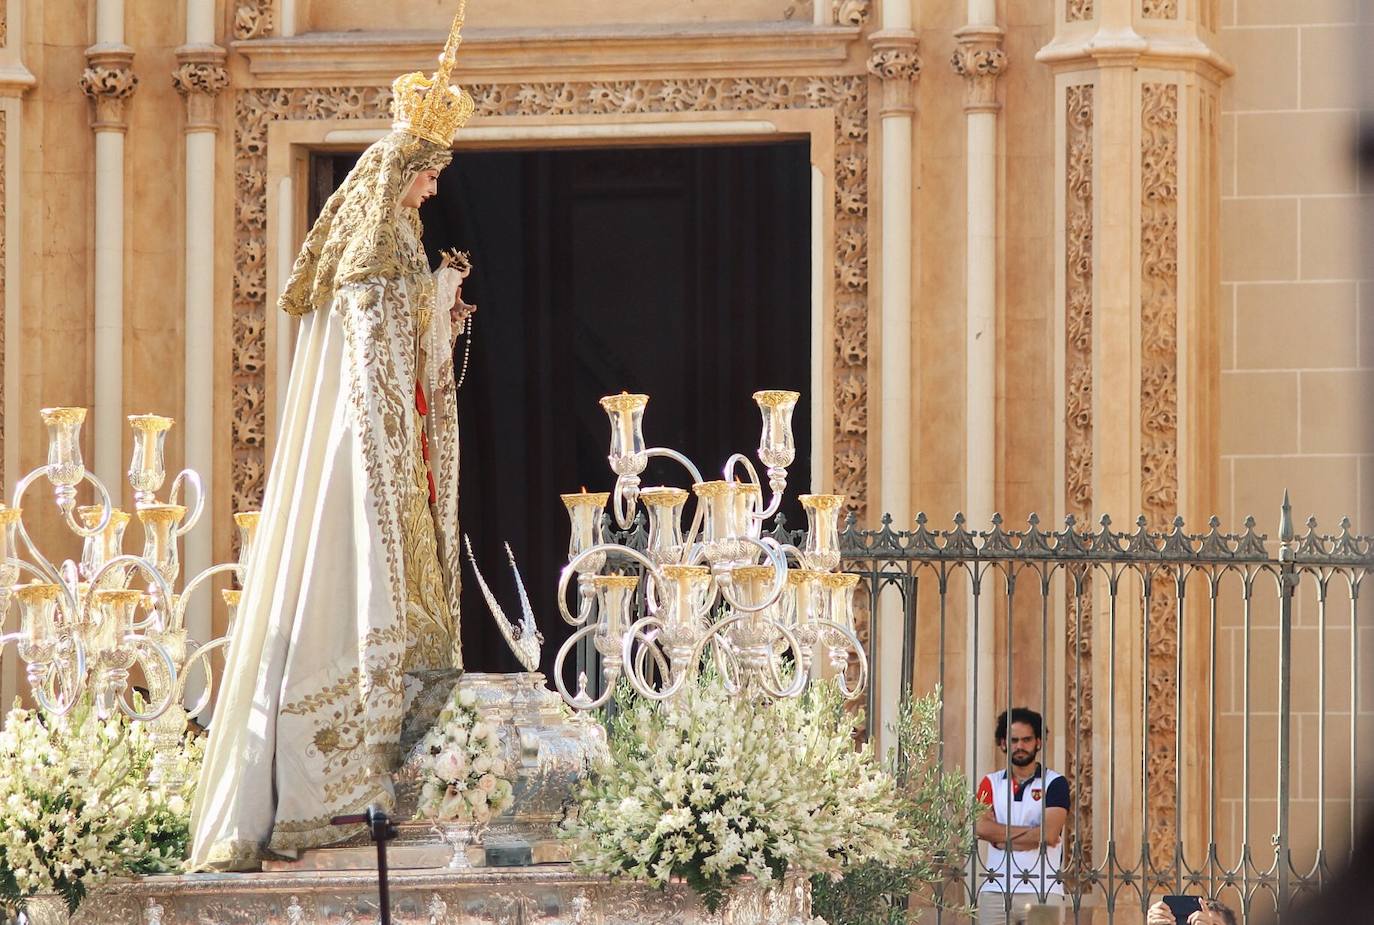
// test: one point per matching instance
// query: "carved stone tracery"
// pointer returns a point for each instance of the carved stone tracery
(846, 96)
(1078, 439)
(1159, 433)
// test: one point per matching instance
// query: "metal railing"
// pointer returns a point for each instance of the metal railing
(1171, 662)
(1202, 692)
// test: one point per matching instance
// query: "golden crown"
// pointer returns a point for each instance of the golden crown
(429, 107)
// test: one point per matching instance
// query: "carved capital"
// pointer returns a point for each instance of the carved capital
(253, 19)
(851, 12)
(199, 77)
(979, 59)
(109, 80)
(897, 63)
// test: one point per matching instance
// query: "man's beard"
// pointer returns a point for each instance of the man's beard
(1024, 759)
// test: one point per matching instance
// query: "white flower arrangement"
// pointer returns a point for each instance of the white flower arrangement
(713, 788)
(464, 776)
(76, 806)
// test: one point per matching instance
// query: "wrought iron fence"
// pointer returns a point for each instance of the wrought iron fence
(1202, 692)
(1208, 687)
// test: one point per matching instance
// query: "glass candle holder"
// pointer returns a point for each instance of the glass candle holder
(147, 469)
(798, 606)
(9, 537)
(821, 548)
(752, 584)
(614, 597)
(838, 606)
(685, 598)
(102, 547)
(159, 537)
(232, 597)
(37, 621)
(665, 522)
(777, 449)
(626, 413)
(745, 500)
(66, 468)
(247, 522)
(584, 513)
(111, 619)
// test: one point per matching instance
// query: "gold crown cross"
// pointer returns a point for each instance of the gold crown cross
(429, 107)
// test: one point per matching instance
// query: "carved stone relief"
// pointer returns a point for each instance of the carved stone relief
(1078, 436)
(199, 78)
(109, 80)
(254, 18)
(847, 96)
(852, 12)
(1159, 9)
(1159, 430)
(4, 23)
(1078, 10)
(980, 60)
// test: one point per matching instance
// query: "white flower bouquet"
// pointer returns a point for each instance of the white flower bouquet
(76, 806)
(463, 777)
(713, 788)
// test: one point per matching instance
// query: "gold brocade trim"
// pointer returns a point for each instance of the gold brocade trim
(234, 854)
(839, 579)
(589, 498)
(432, 640)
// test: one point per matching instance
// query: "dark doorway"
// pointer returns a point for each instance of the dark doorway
(681, 272)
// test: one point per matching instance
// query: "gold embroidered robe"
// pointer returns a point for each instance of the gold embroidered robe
(352, 579)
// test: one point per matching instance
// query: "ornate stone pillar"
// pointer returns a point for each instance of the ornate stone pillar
(897, 64)
(109, 81)
(15, 80)
(199, 77)
(979, 59)
(1136, 128)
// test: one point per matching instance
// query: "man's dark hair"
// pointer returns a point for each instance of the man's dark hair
(1020, 715)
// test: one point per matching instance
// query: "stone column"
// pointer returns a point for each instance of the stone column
(15, 80)
(895, 61)
(979, 59)
(109, 81)
(199, 77)
(1138, 86)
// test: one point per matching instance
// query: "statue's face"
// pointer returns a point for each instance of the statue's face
(425, 184)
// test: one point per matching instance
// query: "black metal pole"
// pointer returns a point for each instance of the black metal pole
(380, 828)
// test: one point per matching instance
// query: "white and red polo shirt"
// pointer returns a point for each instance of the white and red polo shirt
(1024, 804)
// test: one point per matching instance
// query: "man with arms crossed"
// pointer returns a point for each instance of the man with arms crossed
(1028, 814)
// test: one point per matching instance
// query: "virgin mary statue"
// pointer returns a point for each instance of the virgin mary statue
(352, 579)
